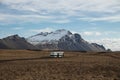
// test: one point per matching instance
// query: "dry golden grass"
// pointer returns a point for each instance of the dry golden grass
(36, 65)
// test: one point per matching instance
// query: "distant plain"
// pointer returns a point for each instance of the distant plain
(37, 65)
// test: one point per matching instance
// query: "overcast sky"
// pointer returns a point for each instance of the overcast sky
(96, 20)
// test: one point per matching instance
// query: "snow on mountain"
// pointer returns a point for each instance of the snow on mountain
(44, 37)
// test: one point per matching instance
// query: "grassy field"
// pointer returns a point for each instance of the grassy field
(37, 65)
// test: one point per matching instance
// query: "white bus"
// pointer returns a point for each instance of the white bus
(56, 54)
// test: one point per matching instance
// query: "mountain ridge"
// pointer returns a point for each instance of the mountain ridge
(57, 40)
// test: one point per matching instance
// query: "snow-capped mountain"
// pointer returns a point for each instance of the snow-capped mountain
(45, 37)
(62, 40)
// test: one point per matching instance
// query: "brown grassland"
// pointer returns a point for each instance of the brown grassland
(37, 65)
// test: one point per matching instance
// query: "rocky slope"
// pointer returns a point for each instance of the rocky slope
(15, 42)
